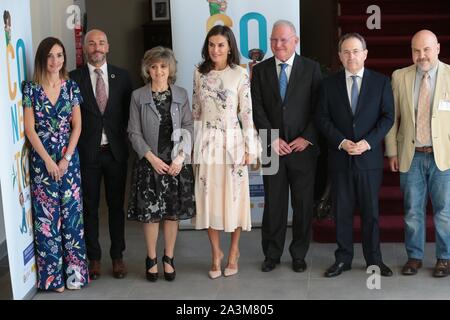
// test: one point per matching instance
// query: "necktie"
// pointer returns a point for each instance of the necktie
(354, 94)
(423, 111)
(283, 80)
(100, 91)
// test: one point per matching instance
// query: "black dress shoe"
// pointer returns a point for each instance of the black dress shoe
(269, 264)
(336, 269)
(298, 265)
(385, 271)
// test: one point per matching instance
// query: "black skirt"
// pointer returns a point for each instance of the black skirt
(157, 197)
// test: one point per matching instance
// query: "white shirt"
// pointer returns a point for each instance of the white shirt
(94, 76)
(288, 68)
(349, 83)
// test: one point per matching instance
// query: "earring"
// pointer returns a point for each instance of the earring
(229, 52)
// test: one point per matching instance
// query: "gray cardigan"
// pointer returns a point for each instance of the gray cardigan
(143, 126)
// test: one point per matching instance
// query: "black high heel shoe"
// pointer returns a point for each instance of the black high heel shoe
(149, 263)
(169, 276)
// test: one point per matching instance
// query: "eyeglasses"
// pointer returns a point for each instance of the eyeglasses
(354, 52)
(282, 40)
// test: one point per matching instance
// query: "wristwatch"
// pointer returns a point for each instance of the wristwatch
(68, 157)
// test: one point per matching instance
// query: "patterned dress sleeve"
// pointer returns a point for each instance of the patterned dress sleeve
(252, 145)
(27, 94)
(196, 107)
(196, 114)
(75, 94)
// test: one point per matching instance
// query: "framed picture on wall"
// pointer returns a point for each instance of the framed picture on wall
(159, 10)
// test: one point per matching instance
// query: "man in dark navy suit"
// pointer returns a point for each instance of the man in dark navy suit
(103, 148)
(284, 92)
(355, 112)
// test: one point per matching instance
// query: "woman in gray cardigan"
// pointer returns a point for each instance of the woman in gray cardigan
(160, 130)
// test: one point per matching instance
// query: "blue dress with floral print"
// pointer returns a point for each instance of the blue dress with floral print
(57, 206)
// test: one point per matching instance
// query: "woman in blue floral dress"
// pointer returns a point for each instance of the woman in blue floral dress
(52, 125)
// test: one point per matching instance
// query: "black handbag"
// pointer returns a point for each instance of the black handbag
(323, 208)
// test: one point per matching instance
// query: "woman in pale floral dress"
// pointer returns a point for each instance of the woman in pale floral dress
(52, 120)
(225, 143)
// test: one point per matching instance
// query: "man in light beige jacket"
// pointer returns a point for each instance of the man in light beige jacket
(418, 145)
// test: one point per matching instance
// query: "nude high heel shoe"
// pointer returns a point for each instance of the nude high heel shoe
(228, 272)
(214, 274)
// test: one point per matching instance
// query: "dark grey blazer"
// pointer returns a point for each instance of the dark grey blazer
(143, 126)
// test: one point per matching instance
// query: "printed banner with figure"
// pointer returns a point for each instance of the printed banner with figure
(15, 63)
(251, 22)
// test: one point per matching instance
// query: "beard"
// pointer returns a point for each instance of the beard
(97, 57)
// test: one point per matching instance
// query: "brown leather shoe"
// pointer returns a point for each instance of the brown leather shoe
(119, 268)
(442, 268)
(94, 269)
(410, 268)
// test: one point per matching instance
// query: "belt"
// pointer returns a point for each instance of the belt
(424, 149)
(104, 146)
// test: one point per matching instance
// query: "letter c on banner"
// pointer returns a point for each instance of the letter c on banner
(262, 32)
(12, 88)
(218, 17)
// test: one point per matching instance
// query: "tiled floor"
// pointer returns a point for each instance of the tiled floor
(192, 262)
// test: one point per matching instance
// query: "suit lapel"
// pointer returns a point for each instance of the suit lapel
(147, 99)
(297, 71)
(272, 78)
(342, 88)
(112, 87)
(89, 91)
(363, 91)
(438, 92)
(410, 78)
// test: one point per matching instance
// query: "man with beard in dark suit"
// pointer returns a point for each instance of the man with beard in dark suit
(103, 148)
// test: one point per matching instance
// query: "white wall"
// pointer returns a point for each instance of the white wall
(49, 18)
(2, 226)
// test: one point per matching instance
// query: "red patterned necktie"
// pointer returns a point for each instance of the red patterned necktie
(100, 91)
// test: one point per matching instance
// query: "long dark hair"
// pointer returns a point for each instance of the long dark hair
(40, 61)
(233, 58)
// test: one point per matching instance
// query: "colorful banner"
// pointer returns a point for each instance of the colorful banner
(15, 64)
(251, 22)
